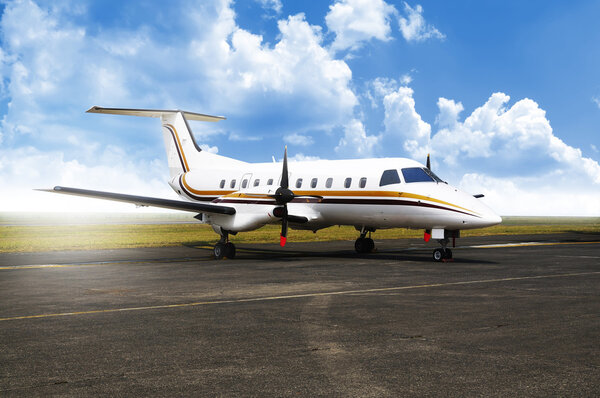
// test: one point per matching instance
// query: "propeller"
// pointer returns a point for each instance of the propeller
(282, 196)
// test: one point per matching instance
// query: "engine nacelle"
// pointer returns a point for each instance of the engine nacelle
(239, 222)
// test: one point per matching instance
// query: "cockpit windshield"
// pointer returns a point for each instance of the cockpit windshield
(419, 174)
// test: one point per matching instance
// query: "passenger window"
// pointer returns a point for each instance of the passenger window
(363, 182)
(389, 177)
(232, 185)
(329, 182)
(313, 182)
(222, 184)
(256, 182)
(244, 183)
(270, 181)
(347, 182)
(299, 183)
(416, 174)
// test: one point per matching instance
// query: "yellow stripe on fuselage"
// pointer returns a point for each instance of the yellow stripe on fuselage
(203, 193)
(355, 194)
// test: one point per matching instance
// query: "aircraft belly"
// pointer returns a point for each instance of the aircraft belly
(390, 216)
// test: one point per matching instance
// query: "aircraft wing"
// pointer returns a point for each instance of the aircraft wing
(145, 200)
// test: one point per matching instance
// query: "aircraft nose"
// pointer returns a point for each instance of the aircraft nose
(494, 219)
(490, 218)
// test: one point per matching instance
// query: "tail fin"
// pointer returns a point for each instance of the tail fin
(183, 153)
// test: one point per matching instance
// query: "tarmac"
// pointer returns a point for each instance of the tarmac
(510, 316)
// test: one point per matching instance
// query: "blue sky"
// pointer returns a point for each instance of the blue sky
(504, 95)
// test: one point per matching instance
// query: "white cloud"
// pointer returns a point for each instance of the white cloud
(519, 135)
(274, 5)
(403, 123)
(356, 142)
(300, 157)
(414, 27)
(25, 169)
(298, 139)
(234, 136)
(355, 22)
(406, 79)
(596, 100)
(297, 72)
(542, 195)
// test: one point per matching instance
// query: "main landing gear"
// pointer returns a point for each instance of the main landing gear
(364, 244)
(443, 253)
(224, 248)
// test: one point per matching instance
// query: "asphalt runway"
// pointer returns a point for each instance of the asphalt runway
(511, 316)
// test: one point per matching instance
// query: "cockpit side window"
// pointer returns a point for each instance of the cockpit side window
(389, 177)
(416, 174)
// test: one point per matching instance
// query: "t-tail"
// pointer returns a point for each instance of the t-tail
(183, 153)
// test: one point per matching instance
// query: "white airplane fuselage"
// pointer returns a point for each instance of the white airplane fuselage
(361, 201)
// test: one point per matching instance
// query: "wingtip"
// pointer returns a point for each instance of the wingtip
(55, 189)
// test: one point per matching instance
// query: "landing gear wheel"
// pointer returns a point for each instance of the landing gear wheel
(448, 255)
(359, 244)
(438, 255)
(229, 250)
(219, 250)
(364, 245)
(370, 245)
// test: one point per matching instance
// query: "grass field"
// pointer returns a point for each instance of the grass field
(29, 233)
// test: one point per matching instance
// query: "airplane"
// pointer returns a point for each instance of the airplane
(235, 196)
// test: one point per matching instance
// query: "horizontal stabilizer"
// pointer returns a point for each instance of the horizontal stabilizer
(145, 201)
(154, 113)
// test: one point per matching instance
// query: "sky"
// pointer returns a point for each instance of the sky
(504, 95)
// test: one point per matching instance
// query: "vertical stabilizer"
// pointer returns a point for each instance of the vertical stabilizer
(182, 150)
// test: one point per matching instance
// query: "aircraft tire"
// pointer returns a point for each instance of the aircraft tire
(358, 245)
(438, 255)
(370, 245)
(219, 251)
(364, 245)
(229, 250)
(448, 254)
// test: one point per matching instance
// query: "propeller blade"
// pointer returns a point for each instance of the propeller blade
(428, 162)
(284, 229)
(284, 173)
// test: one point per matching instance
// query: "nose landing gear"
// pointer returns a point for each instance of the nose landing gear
(443, 253)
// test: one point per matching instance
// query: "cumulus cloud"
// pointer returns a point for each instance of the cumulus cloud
(404, 125)
(518, 135)
(27, 168)
(297, 74)
(274, 5)
(298, 139)
(355, 22)
(534, 196)
(300, 157)
(356, 142)
(415, 28)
